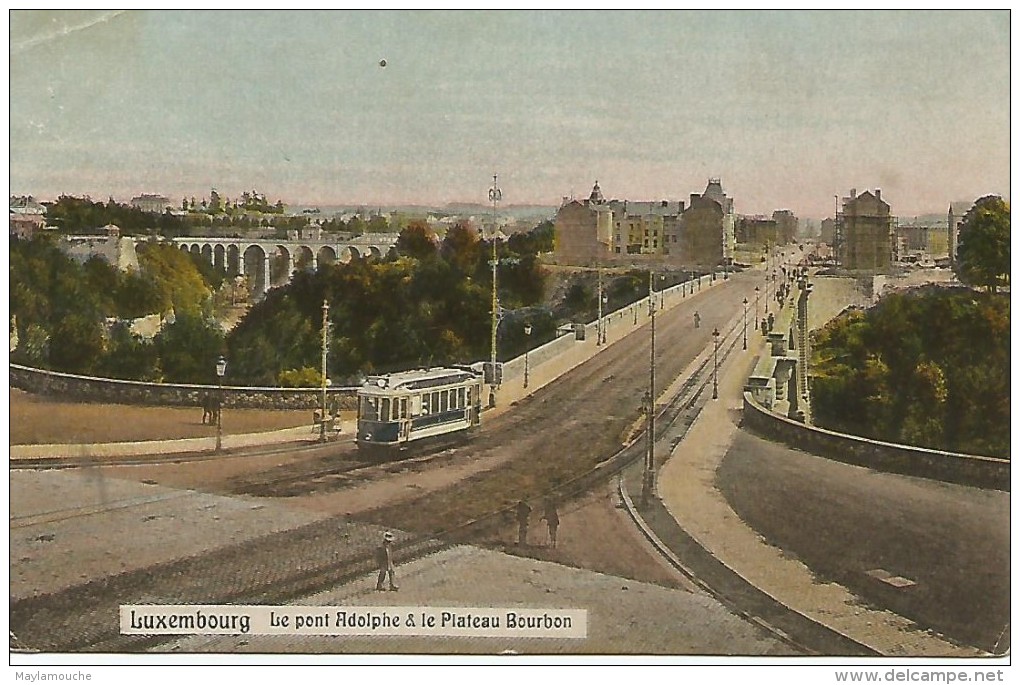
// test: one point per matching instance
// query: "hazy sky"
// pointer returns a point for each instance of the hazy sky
(788, 108)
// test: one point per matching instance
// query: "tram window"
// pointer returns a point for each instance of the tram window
(385, 413)
(369, 408)
(443, 401)
(426, 403)
(460, 398)
(403, 407)
(453, 399)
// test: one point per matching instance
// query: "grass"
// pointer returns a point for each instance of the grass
(41, 420)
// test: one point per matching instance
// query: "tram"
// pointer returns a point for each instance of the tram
(398, 410)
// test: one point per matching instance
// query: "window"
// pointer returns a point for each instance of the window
(403, 408)
(385, 413)
(444, 401)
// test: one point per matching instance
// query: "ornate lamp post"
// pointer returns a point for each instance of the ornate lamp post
(648, 482)
(221, 370)
(756, 293)
(745, 323)
(605, 321)
(325, 381)
(600, 325)
(527, 346)
(715, 365)
(495, 195)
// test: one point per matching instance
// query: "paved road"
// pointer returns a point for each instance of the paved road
(843, 521)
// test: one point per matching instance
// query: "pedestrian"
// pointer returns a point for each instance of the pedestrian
(206, 408)
(523, 513)
(772, 321)
(552, 519)
(697, 319)
(384, 558)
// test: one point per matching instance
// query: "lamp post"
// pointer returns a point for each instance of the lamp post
(715, 366)
(605, 318)
(599, 327)
(221, 370)
(756, 293)
(325, 381)
(527, 346)
(745, 323)
(648, 482)
(495, 195)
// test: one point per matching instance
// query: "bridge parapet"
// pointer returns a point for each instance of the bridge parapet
(951, 467)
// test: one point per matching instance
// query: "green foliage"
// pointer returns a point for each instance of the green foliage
(305, 377)
(429, 305)
(83, 215)
(983, 251)
(189, 348)
(417, 241)
(929, 367)
(176, 276)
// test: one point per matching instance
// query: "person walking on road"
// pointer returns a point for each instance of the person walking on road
(552, 519)
(384, 557)
(697, 320)
(523, 514)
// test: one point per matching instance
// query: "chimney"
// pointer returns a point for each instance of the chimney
(694, 196)
(853, 193)
(878, 193)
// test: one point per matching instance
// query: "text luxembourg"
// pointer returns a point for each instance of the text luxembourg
(355, 621)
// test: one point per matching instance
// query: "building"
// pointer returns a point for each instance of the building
(583, 230)
(827, 233)
(756, 230)
(118, 251)
(27, 217)
(646, 228)
(924, 238)
(787, 225)
(957, 211)
(865, 232)
(702, 232)
(154, 204)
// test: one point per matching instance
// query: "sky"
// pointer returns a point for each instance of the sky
(788, 109)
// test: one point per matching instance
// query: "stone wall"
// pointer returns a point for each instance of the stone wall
(951, 467)
(90, 389)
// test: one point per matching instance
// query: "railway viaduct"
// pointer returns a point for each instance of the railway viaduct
(268, 262)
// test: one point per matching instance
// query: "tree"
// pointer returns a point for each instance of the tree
(417, 241)
(982, 257)
(460, 247)
(189, 348)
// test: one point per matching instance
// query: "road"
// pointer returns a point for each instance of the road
(843, 521)
(563, 428)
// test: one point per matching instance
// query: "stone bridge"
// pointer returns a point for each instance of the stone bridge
(267, 262)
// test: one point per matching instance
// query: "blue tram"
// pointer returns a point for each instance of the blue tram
(399, 409)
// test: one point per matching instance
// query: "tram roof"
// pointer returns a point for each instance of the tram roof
(418, 379)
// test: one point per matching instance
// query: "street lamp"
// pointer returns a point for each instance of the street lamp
(605, 318)
(648, 482)
(221, 370)
(715, 367)
(745, 323)
(527, 346)
(756, 293)
(325, 380)
(495, 195)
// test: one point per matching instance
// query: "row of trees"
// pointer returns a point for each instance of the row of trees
(76, 318)
(428, 304)
(928, 367)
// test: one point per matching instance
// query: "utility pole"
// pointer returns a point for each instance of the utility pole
(495, 195)
(648, 482)
(325, 348)
(599, 337)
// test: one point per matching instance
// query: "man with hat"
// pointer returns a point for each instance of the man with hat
(384, 557)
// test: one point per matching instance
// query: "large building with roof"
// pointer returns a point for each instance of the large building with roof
(866, 232)
(593, 230)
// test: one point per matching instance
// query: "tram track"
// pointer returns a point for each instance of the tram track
(292, 564)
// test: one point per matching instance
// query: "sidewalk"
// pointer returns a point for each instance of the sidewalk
(687, 489)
